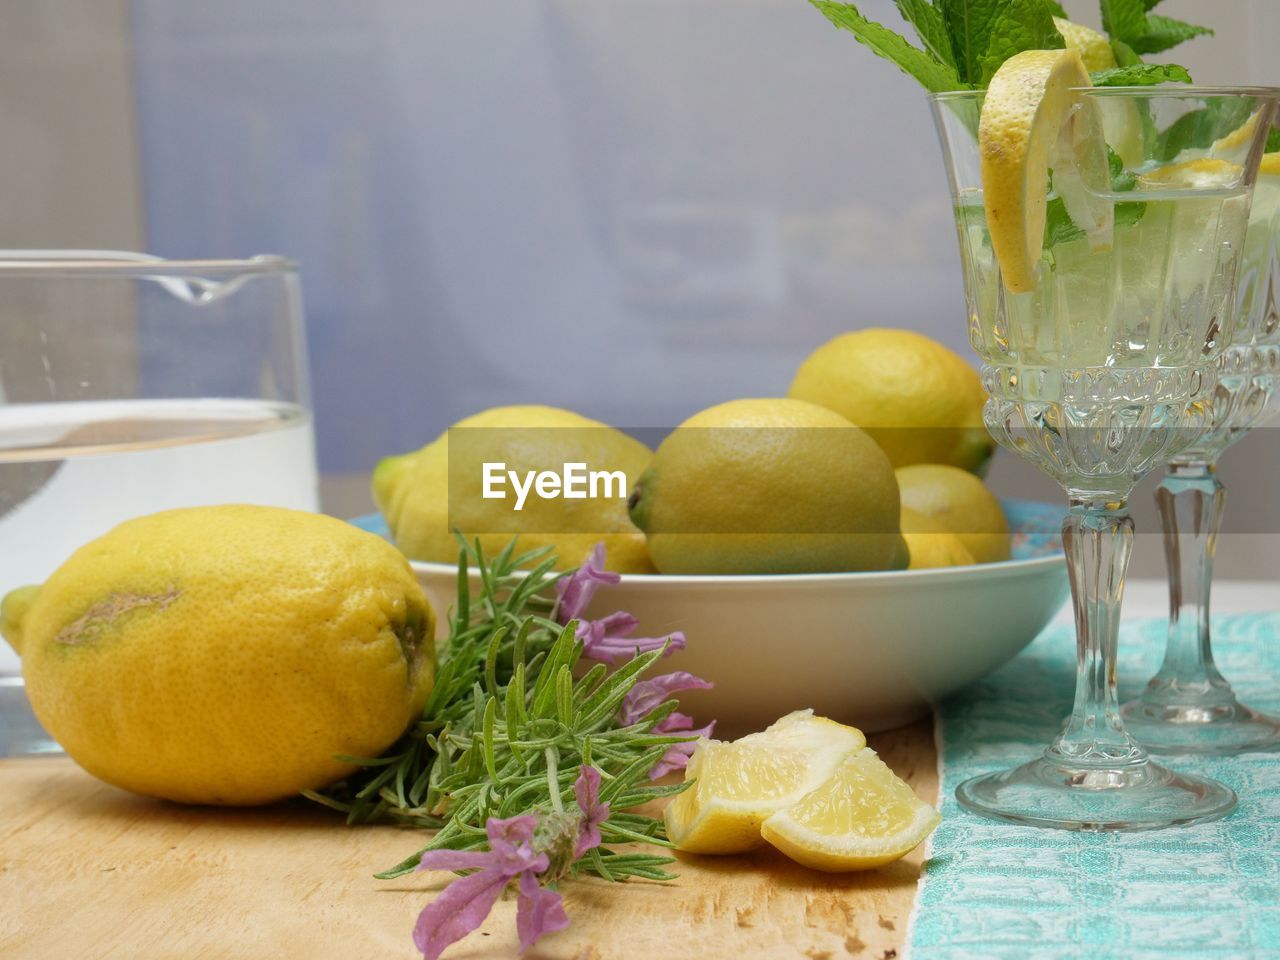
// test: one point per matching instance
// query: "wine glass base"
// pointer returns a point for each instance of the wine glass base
(1218, 728)
(1140, 795)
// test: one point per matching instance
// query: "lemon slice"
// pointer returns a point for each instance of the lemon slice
(1270, 166)
(1121, 124)
(1240, 137)
(738, 784)
(1032, 118)
(1094, 48)
(863, 817)
(1199, 174)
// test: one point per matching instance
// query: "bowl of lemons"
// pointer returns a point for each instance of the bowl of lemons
(835, 548)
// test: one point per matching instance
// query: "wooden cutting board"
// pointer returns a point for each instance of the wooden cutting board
(90, 871)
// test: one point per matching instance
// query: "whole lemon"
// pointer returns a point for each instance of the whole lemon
(919, 400)
(426, 495)
(930, 544)
(225, 654)
(959, 502)
(769, 486)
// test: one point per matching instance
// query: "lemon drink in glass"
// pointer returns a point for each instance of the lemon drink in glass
(1188, 706)
(1100, 230)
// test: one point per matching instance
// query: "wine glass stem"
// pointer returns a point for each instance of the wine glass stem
(1097, 536)
(1191, 500)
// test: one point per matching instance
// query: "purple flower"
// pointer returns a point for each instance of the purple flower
(467, 901)
(586, 790)
(610, 639)
(646, 696)
(678, 754)
(538, 911)
(574, 592)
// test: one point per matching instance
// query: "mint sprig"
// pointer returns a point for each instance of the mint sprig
(1132, 23)
(964, 42)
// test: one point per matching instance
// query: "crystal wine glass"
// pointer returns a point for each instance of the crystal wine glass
(1188, 706)
(1098, 374)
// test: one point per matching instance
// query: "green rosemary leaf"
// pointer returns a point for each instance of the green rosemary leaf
(564, 697)
(462, 611)
(490, 718)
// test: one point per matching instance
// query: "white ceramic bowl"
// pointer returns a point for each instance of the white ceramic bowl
(872, 649)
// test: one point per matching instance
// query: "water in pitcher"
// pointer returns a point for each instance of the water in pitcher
(70, 472)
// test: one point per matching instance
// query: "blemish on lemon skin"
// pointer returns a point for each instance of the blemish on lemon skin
(89, 625)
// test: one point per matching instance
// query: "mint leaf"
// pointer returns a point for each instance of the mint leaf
(1140, 75)
(882, 41)
(1273, 141)
(1165, 32)
(1056, 9)
(1058, 225)
(1199, 128)
(968, 24)
(985, 33)
(1150, 5)
(1019, 25)
(1124, 20)
(927, 21)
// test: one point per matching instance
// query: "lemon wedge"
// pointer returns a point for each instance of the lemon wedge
(1270, 166)
(1034, 118)
(741, 783)
(863, 817)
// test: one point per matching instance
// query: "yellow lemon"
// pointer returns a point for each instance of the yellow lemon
(932, 545)
(739, 784)
(769, 486)
(920, 401)
(1029, 101)
(957, 501)
(226, 655)
(862, 817)
(428, 494)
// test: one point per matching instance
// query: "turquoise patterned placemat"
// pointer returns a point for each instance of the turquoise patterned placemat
(994, 890)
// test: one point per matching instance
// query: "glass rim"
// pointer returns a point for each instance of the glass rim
(129, 265)
(1153, 91)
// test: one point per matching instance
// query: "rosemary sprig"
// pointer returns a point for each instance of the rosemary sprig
(508, 725)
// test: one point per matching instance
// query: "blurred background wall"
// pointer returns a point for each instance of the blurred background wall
(633, 208)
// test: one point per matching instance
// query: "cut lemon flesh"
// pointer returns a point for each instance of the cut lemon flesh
(1033, 117)
(863, 817)
(739, 784)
